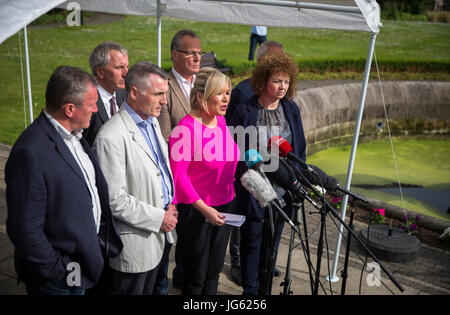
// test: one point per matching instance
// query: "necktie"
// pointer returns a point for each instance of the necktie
(112, 109)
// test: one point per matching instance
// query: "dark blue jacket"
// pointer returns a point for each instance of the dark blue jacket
(50, 219)
(100, 117)
(245, 115)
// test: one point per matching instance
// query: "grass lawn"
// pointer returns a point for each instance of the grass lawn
(50, 47)
(421, 162)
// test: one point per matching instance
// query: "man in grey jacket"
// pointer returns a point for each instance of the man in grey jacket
(134, 157)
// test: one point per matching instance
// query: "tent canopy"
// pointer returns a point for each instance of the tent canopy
(363, 15)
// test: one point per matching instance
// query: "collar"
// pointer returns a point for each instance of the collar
(136, 118)
(104, 94)
(181, 79)
(63, 132)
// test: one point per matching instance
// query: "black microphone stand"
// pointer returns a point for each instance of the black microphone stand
(315, 285)
(327, 208)
(286, 284)
(323, 214)
(344, 273)
(266, 261)
(269, 261)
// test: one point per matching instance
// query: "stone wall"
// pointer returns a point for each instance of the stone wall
(413, 107)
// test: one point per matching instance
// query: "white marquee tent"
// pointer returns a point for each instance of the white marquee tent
(360, 15)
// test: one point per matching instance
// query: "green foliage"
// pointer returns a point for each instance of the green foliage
(440, 16)
(412, 10)
(242, 68)
(408, 6)
(405, 50)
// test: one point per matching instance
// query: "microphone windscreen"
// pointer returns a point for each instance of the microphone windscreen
(252, 157)
(280, 144)
(258, 187)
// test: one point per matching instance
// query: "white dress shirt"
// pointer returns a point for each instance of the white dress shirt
(72, 140)
(106, 97)
(185, 85)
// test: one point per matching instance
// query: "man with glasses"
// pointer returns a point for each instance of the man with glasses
(186, 53)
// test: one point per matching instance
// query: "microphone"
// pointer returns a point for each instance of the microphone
(311, 172)
(263, 192)
(254, 161)
(258, 187)
(284, 177)
(319, 177)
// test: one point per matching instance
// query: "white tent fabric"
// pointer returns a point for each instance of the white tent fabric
(16, 14)
(365, 16)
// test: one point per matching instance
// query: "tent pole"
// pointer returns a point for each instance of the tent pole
(27, 67)
(299, 5)
(158, 31)
(333, 277)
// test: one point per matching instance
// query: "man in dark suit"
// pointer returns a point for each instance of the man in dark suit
(59, 218)
(109, 66)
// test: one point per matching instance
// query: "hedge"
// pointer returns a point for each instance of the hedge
(322, 66)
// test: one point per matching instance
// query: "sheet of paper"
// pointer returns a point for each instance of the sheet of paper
(233, 219)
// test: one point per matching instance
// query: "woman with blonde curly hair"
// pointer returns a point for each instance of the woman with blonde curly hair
(273, 112)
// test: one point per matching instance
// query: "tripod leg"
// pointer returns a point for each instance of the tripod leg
(308, 256)
(287, 279)
(264, 276)
(347, 254)
(319, 252)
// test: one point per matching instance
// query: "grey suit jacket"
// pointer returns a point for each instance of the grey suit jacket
(177, 107)
(135, 192)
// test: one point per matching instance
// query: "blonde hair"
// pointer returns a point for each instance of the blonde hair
(209, 82)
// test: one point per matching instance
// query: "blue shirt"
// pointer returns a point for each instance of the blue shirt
(148, 130)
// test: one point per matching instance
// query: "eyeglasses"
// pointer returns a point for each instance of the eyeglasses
(191, 53)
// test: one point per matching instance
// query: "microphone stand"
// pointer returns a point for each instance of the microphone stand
(286, 284)
(326, 208)
(323, 214)
(267, 261)
(315, 285)
(344, 273)
(311, 280)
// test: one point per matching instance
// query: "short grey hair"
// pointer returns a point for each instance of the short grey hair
(138, 76)
(264, 47)
(100, 55)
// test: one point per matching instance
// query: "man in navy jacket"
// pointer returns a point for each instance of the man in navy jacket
(59, 218)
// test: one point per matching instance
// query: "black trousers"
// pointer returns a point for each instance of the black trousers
(141, 283)
(203, 247)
